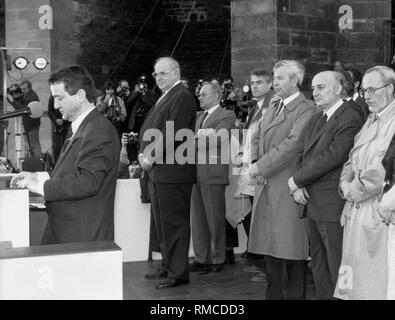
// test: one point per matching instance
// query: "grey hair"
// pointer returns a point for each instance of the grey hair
(295, 69)
(174, 65)
(215, 88)
(386, 73)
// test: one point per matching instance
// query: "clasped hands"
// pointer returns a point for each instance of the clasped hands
(255, 175)
(385, 210)
(144, 163)
(300, 194)
(24, 180)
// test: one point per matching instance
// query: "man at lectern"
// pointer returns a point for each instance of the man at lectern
(80, 192)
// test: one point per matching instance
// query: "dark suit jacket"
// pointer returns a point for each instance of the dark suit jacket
(179, 109)
(361, 107)
(80, 193)
(364, 108)
(319, 165)
(255, 113)
(218, 172)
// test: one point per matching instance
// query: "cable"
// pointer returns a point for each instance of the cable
(183, 29)
(223, 58)
(134, 40)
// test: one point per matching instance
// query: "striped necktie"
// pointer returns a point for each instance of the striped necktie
(203, 118)
(279, 108)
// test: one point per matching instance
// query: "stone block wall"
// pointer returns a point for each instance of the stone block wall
(266, 31)
(254, 37)
(364, 45)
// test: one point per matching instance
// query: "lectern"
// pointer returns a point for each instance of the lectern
(14, 215)
(77, 271)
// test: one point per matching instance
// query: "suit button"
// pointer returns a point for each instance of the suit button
(357, 206)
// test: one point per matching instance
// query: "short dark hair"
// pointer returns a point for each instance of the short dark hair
(228, 78)
(74, 79)
(262, 73)
(356, 75)
(26, 82)
(346, 83)
(109, 85)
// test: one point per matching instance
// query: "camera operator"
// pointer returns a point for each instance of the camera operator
(20, 96)
(138, 106)
(231, 99)
(112, 106)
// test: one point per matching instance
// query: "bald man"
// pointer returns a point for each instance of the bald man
(326, 141)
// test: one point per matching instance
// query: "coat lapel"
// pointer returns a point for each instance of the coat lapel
(89, 117)
(157, 106)
(331, 122)
(281, 117)
(211, 118)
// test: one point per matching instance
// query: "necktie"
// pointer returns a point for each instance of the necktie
(67, 140)
(279, 108)
(203, 118)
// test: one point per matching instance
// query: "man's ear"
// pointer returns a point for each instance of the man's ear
(81, 93)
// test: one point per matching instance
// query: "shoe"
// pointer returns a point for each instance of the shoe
(217, 267)
(169, 283)
(204, 270)
(229, 256)
(196, 266)
(251, 268)
(156, 275)
(260, 277)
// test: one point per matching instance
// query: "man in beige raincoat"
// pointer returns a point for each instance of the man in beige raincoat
(363, 273)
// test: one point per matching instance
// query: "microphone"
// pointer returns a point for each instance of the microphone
(34, 109)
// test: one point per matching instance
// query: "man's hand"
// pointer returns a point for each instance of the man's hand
(59, 122)
(24, 180)
(345, 188)
(254, 171)
(10, 98)
(292, 186)
(301, 196)
(144, 163)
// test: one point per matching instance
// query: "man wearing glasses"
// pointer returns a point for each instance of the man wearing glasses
(363, 273)
(170, 181)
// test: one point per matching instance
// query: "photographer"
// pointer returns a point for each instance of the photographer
(20, 96)
(123, 90)
(112, 106)
(231, 99)
(138, 106)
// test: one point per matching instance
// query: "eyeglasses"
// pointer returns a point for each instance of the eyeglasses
(162, 74)
(371, 91)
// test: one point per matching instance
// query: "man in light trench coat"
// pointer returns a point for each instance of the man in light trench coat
(277, 230)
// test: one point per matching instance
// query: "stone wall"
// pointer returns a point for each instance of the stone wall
(266, 31)
(364, 45)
